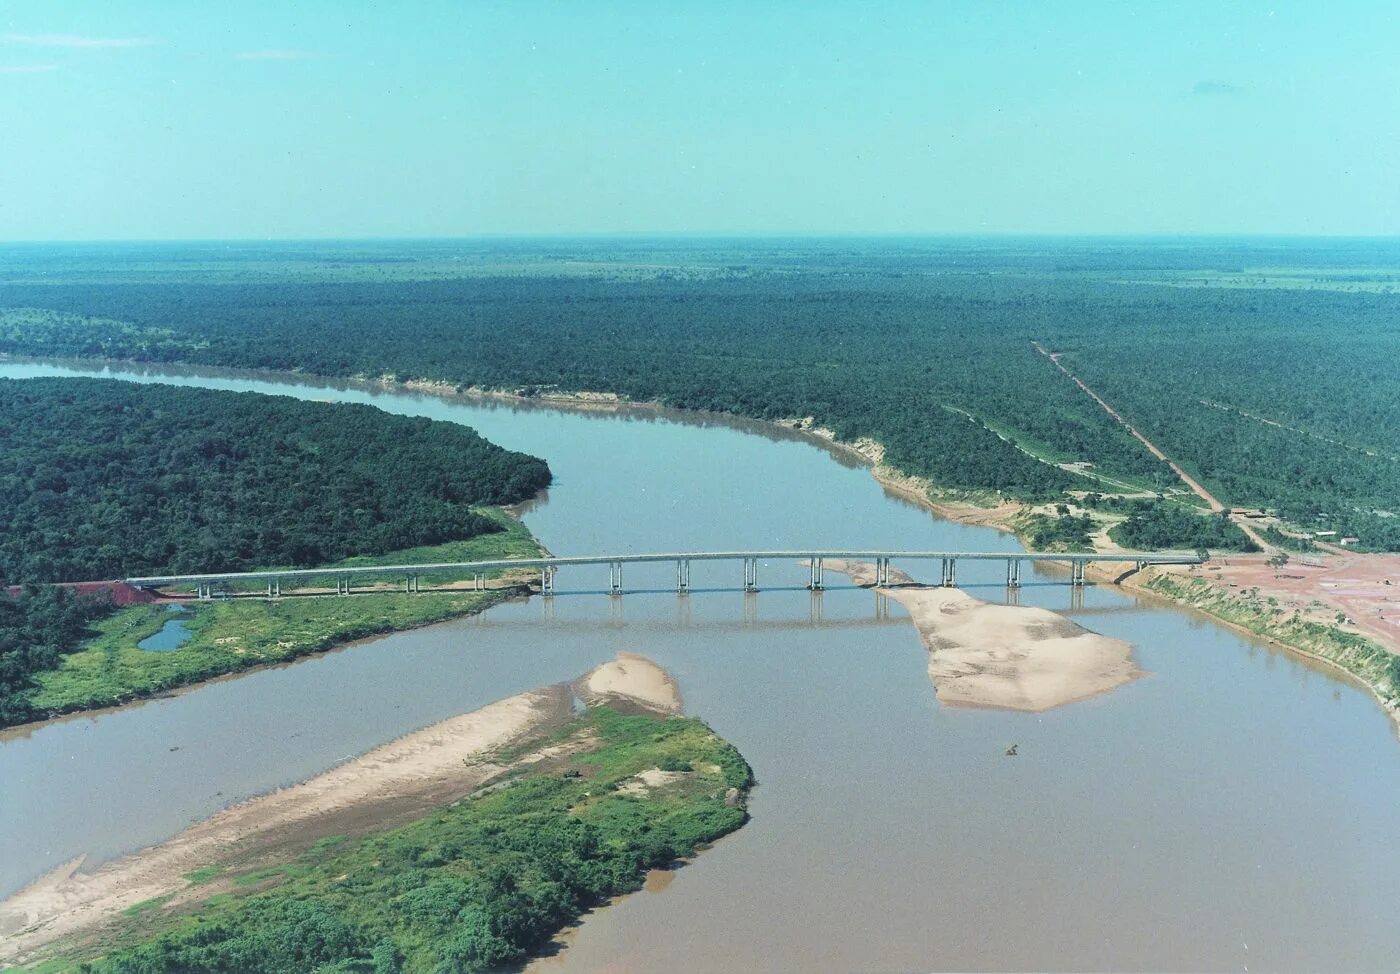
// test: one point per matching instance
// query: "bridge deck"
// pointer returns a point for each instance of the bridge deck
(469, 567)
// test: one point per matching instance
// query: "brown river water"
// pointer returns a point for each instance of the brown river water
(1234, 810)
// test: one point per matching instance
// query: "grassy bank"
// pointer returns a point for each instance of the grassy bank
(483, 882)
(228, 637)
(1363, 658)
(238, 634)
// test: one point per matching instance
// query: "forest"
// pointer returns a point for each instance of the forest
(1279, 397)
(104, 480)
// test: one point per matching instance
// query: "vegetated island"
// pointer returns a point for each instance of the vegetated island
(460, 847)
(104, 480)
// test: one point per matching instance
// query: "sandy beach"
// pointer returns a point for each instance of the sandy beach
(631, 679)
(387, 786)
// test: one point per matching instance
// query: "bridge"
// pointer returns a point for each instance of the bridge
(345, 578)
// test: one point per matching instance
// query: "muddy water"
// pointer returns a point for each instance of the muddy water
(1233, 810)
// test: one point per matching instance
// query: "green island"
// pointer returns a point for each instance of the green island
(482, 882)
(107, 479)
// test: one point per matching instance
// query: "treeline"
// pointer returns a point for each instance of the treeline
(867, 355)
(1153, 526)
(1285, 398)
(36, 629)
(102, 480)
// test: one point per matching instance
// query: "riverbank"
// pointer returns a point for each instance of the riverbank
(237, 635)
(576, 807)
(1259, 613)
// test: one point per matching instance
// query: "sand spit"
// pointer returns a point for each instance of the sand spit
(631, 679)
(1008, 657)
(391, 783)
(1011, 657)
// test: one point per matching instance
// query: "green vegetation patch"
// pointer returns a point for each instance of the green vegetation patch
(479, 884)
(226, 636)
(1061, 531)
(1153, 526)
(61, 653)
(36, 631)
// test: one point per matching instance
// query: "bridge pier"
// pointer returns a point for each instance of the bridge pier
(882, 572)
(950, 572)
(1076, 573)
(615, 577)
(750, 574)
(274, 589)
(818, 568)
(342, 585)
(682, 576)
(1013, 573)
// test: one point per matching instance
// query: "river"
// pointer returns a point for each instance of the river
(1234, 810)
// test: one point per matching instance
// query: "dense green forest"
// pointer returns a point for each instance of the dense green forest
(477, 885)
(1276, 389)
(36, 631)
(1155, 526)
(104, 479)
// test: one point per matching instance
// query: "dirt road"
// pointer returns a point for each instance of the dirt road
(1197, 488)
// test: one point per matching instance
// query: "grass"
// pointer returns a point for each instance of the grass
(203, 875)
(483, 882)
(145, 906)
(237, 634)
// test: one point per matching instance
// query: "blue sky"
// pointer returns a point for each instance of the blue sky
(125, 120)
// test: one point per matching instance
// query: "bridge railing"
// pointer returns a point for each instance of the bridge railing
(548, 566)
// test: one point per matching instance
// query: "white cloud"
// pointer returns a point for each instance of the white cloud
(279, 55)
(74, 40)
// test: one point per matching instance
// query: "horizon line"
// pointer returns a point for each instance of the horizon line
(1145, 235)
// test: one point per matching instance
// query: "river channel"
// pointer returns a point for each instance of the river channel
(1235, 810)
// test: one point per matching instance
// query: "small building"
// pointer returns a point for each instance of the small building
(1350, 541)
(1324, 534)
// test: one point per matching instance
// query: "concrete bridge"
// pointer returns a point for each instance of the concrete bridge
(345, 578)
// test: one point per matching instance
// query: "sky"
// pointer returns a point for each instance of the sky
(178, 120)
